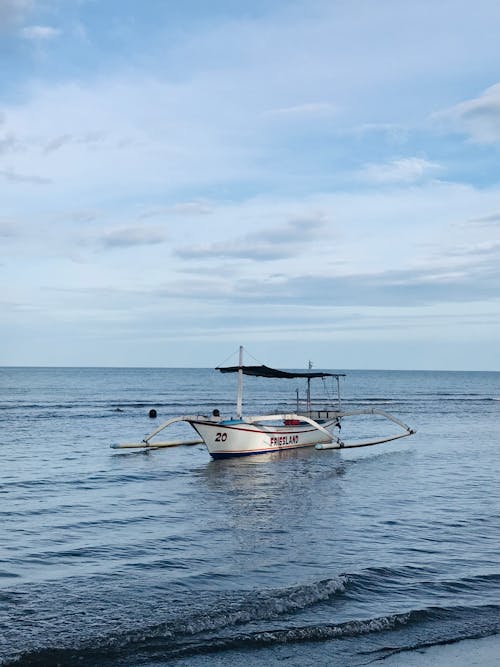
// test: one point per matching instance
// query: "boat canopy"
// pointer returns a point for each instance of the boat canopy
(266, 372)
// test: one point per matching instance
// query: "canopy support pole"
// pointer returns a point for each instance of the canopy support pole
(239, 398)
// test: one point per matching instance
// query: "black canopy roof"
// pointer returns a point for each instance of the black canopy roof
(266, 372)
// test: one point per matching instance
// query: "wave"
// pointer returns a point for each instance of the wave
(255, 620)
(228, 613)
(379, 577)
(168, 645)
(84, 481)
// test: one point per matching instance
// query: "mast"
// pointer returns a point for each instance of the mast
(239, 399)
(309, 365)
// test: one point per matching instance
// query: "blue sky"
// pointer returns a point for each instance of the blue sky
(314, 180)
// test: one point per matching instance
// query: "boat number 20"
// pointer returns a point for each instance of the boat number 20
(221, 437)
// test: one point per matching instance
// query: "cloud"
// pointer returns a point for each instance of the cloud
(492, 219)
(404, 170)
(190, 208)
(83, 216)
(462, 275)
(181, 209)
(56, 143)
(411, 288)
(13, 11)
(158, 138)
(14, 177)
(88, 139)
(7, 229)
(39, 32)
(303, 110)
(479, 117)
(24, 141)
(275, 243)
(127, 237)
(8, 143)
(406, 288)
(476, 250)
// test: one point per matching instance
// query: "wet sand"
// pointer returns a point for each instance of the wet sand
(483, 652)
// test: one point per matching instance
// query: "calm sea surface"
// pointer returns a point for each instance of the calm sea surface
(314, 557)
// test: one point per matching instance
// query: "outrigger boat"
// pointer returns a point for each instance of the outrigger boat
(308, 424)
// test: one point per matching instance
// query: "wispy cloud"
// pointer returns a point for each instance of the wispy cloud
(127, 237)
(275, 243)
(469, 282)
(7, 228)
(90, 139)
(15, 177)
(491, 219)
(307, 110)
(476, 250)
(190, 208)
(479, 117)
(56, 143)
(14, 11)
(39, 32)
(404, 170)
(407, 288)
(8, 142)
(181, 209)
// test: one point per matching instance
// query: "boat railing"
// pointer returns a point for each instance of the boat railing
(303, 406)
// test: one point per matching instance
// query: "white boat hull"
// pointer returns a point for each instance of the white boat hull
(238, 438)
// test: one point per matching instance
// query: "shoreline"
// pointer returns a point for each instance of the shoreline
(482, 652)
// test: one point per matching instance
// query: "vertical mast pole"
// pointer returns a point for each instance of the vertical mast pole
(338, 393)
(308, 395)
(239, 399)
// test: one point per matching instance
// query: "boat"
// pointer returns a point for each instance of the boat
(308, 423)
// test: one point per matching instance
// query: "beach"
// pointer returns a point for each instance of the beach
(484, 652)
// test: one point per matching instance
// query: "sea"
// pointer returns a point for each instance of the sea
(166, 557)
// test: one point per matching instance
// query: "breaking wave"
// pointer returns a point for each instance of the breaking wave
(265, 619)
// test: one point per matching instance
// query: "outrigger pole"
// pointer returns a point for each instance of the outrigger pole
(146, 444)
(336, 443)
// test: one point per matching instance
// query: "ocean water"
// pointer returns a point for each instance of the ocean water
(311, 557)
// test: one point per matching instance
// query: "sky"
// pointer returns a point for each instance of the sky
(315, 180)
